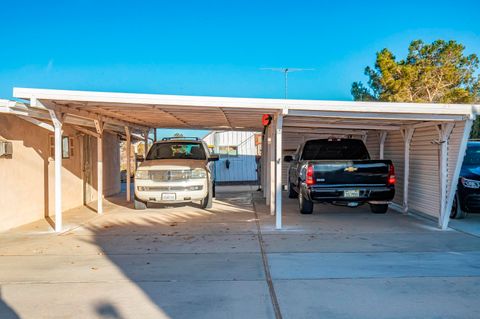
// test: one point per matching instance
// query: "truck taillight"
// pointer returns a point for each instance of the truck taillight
(391, 175)
(309, 178)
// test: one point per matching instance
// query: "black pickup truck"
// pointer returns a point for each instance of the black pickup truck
(339, 171)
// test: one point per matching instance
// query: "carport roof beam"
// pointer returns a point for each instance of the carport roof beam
(377, 115)
(298, 124)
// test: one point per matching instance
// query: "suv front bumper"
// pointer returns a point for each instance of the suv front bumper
(171, 192)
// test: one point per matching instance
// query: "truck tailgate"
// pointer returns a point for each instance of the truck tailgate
(350, 173)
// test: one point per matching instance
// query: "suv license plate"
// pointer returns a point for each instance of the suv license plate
(168, 196)
(351, 193)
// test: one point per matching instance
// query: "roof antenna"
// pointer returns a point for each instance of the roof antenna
(285, 72)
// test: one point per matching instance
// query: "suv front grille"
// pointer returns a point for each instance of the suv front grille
(169, 188)
(170, 175)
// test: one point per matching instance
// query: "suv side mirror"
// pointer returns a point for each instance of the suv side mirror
(213, 158)
(288, 158)
(140, 158)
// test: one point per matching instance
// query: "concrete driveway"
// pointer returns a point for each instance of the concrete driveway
(183, 262)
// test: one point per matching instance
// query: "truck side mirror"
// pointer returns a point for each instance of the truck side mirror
(288, 158)
(213, 158)
(140, 158)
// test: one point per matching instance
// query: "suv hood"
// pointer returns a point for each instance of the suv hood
(172, 164)
(470, 172)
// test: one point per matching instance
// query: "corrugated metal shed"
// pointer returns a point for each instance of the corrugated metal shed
(373, 145)
(425, 171)
(242, 166)
(394, 152)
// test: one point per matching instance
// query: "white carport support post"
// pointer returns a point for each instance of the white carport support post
(364, 138)
(128, 149)
(444, 131)
(268, 150)
(99, 125)
(278, 171)
(456, 173)
(407, 139)
(57, 119)
(383, 137)
(271, 164)
(145, 140)
(263, 161)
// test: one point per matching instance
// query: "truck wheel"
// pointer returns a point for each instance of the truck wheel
(139, 205)
(207, 202)
(306, 206)
(457, 211)
(379, 208)
(291, 192)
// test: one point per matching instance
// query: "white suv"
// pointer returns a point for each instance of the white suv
(175, 170)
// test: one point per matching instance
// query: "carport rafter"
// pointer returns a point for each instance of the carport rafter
(109, 114)
(157, 108)
(39, 123)
(226, 117)
(86, 131)
(80, 113)
(42, 118)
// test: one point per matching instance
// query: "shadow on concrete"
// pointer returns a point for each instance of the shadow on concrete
(188, 262)
(107, 310)
(6, 312)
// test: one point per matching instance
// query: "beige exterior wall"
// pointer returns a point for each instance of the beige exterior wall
(27, 177)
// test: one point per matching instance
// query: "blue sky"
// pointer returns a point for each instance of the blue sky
(216, 47)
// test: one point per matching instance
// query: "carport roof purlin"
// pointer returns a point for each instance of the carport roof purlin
(140, 112)
(143, 111)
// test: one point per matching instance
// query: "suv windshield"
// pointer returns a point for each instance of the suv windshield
(472, 156)
(176, 150)
(348, 149)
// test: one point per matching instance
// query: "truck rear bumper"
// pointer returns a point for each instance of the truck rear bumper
(365, 194)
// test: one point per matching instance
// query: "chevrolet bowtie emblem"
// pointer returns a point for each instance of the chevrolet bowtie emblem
(350, 169)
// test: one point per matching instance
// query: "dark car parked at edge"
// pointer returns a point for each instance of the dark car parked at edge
(339, 171)
(467, 199)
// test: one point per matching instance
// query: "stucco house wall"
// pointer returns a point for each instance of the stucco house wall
(27, 177)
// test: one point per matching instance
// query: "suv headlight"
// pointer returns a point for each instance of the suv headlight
(199, 173)
(141, 174)
(470, 183)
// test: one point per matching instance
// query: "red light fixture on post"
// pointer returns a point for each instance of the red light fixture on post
(266, 119)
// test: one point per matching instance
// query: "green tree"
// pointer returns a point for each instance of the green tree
(439, 72)
(436, 73)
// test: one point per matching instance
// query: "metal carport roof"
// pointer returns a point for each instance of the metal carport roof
(140, 112)
(200, 112)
